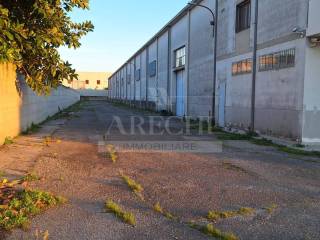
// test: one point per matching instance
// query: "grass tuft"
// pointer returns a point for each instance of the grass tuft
(212, 231)
(8, 141)
(157, 208)
(126, 217)
(216, 215)
(30, 177)
(133, 185)
(112, 153)
(271, 208)
(24, 205)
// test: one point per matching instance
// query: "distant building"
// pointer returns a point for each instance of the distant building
(89, 80)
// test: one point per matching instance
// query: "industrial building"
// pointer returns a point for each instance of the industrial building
(267, 75)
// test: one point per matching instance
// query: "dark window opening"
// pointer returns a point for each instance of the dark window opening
(87, 81)
(243, 20)
(153, 69)
(98, 82)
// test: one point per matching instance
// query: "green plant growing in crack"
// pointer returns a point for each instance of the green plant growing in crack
(135, 187)
(126, 217)
(132, 184)
(216, 215)
(212, 231)
(30, 177)
(8, 141)
(24, 205)
(111, 153)
(270, 209)
(157, 208)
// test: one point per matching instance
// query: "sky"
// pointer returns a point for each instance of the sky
(121, 28)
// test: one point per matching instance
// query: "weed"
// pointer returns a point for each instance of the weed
(33, 128)
(233, 167)
(133, 185)
(30, 177)
(157, 208)
(25, 204)
(271, 208)
(8, 141)
(112, 153)
(216, 215)
(232, 136)
(126, 217)
(2, 174)
(212, 231)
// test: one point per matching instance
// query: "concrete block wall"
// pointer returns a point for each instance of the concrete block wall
(20, 106)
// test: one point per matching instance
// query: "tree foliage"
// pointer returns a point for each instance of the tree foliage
(31, 31)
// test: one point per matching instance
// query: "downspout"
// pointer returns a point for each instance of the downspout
(254, 67)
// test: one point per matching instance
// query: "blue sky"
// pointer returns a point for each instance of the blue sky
(121, 28)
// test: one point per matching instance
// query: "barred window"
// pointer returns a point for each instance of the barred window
(277, 60)
(153, 69)
(180, 55)
(242, 67)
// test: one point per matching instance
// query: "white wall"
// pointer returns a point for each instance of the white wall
(20, 106)
(311, 100)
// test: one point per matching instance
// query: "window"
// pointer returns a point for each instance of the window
(242, 67)
(98, 82)
(153, 69)
(138, 75)
(180, 56)
(87, 81)
(243, 20)
(277, 60)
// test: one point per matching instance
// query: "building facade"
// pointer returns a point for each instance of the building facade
(89, 81)
(174, 71)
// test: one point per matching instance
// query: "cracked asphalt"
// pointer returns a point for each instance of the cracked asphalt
(186, 184)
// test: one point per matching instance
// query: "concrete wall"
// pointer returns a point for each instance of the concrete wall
(138, 83)
(152, 81)
(311, 100)
(20, 106)
(163, 74)
(200, 85)
(314, 18)
(93, 93)
(279, 93)
(179, 38)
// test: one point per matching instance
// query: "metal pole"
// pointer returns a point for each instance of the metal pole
(215, 35)
(254, 67)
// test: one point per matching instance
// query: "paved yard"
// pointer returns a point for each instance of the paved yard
(283, 190)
